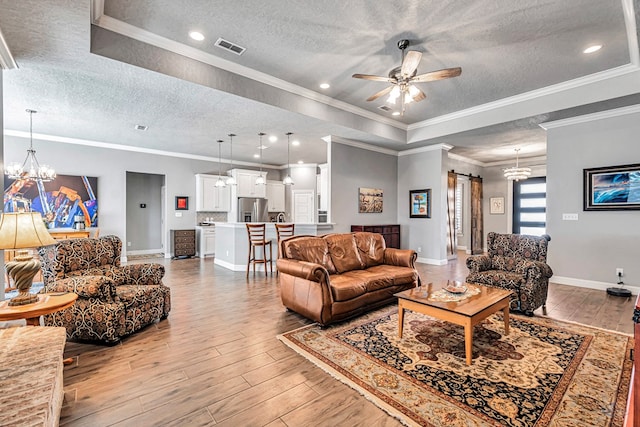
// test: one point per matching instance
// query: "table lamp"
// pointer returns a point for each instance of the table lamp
(23, 231)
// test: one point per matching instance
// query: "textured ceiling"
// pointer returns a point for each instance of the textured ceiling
(505, 48)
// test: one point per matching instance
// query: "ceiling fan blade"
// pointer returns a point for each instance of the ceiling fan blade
(419, 96)
(374, 78)
(410, 63)
(383, 92)
(437, 75)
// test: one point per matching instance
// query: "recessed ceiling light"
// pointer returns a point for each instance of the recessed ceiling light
(295, 142)
(141, 127)
(256, 156)
(594, 48)
(300, 162)
(325, 85)
(273, 138)
(196, 35)
(395, 113)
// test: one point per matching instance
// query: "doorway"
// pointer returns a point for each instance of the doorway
(144, 216)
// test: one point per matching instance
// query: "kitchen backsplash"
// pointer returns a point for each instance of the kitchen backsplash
(211, 217)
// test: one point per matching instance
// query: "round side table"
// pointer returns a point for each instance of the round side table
(46, 304)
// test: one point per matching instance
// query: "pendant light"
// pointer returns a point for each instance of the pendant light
(517, 173)
(220, 182)
(230, 179)
(260, 180)
(287, 179)
(35, 172)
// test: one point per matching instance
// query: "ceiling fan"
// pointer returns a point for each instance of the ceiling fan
(403, 78)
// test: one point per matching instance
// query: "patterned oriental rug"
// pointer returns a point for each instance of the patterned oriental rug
(544, 373)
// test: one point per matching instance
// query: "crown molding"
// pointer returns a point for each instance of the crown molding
(434, 147)
(458, 157)
(362, 145)
(111, 146)
(633, 109)
(7, 62)
(528, 96)
(111, 24)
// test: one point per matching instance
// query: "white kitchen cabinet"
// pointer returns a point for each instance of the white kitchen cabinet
(206, 237)
(247, 186)
(275, 196)
(210, 198)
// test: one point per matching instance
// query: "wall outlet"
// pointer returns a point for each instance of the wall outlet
(619, 272)
(569, 216)
(227, 253)
(419, 249)
(128, 244)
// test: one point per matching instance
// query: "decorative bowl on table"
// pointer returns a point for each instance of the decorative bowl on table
(455, 287)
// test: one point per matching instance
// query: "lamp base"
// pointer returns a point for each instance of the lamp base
(23, 299)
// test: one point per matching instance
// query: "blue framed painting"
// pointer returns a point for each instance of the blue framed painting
(612, 188)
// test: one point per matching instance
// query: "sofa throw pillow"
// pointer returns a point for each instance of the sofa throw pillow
(344, 252)
(371, 248)
(310, 249)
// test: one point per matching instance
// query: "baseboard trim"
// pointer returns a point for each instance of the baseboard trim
(590, 284)
(146, 252)
(432, 261)
(240, 267)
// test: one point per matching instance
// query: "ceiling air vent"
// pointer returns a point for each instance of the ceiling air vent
(141, 127)
(234, 48)
(384, 108)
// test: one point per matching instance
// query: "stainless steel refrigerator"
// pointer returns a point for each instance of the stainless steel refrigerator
(252, 209)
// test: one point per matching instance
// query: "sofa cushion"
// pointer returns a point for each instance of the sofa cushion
(310, 249)
(344, 252)
(139, 296)
(498, 278)
(371, 248)
(399, 275)
(347, 286)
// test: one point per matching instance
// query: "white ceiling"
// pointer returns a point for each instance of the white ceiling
(522, 64)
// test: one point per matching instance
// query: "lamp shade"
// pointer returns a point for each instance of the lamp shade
(23, 230)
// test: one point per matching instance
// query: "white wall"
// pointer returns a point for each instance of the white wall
(419, 171)
(352, 168)
(587, 251)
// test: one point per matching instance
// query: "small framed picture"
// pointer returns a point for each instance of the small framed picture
(182, 203)
(420, 203)
(497, 205)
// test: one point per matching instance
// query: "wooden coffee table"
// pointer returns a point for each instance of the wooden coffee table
(46, 304)
(467, 312)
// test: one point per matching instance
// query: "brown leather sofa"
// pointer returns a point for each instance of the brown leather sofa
(337, 276)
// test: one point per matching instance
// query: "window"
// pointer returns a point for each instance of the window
(459, 199)
(530, 206)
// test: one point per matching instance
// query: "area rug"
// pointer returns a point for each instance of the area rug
(544, 373)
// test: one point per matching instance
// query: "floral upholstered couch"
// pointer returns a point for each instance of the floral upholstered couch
(517, 263)
(113, 300)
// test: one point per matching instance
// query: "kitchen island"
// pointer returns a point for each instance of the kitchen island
(232, 243)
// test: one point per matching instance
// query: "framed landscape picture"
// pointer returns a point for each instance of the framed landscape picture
(369, 200)
(612, 188)
(420, 203)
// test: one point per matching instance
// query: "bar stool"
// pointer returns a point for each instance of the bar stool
(257, 238)
(282, 232)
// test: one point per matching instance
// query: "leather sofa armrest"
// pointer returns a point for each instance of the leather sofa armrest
(303, 269)
(143, 274)
(400, 257)
(99, 287)
(477, 263)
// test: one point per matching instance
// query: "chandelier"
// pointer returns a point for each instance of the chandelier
(30, 169)
(287, 179)
(517, 173)
(220, 182)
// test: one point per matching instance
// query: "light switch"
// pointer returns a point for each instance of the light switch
(569, 216)
(178, 214)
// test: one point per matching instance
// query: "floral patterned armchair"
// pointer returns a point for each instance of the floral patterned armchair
(517, 263)
(113, 300)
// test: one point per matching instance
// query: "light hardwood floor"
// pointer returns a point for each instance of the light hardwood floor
(216, 361)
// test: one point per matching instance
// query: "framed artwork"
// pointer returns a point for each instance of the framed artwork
(61, 202)
(497, 205)
(182, 203)
(612, 188)
(420, 203)
(369, 200)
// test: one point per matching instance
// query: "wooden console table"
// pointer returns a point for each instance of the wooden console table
(390, 232)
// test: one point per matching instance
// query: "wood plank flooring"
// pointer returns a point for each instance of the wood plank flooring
(216, 361)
